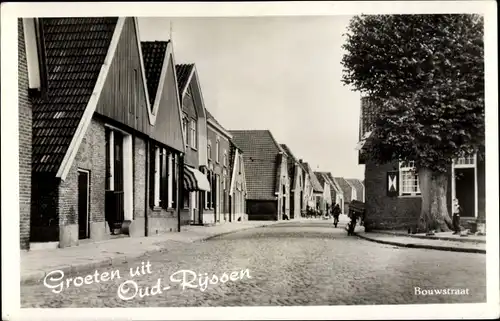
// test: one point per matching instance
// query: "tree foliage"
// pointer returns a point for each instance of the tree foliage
(426, 74)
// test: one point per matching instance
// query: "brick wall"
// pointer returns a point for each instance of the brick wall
(91, 156)
(382, 211)
(25, 119)
(139, 177)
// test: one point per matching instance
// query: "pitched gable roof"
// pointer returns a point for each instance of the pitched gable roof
(183, 72)
(338, 189)
(291, 163)
(153, 53)
(356, 183)
(260, 155)
(211, 119)
(75, 50)
(320, 178)
(316, 185)
(345, 186)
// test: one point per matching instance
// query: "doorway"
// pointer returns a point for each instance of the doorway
(83, 204)
(464, 191)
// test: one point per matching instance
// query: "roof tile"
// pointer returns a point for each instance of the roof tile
(75, 51)
(260, 154)
(153, 53)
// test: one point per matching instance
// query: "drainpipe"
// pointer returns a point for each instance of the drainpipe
(180, 165)
(146, 198)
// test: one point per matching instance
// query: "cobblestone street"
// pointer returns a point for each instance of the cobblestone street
(293, 263)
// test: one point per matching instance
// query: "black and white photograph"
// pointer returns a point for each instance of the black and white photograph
(334, 157)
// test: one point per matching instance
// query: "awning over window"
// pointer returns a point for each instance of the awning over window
(194, 180)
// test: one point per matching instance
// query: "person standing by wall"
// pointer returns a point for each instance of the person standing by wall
(456, 216)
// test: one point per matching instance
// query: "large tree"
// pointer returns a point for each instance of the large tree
(426, 75)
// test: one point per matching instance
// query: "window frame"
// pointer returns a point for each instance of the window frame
(193, 133)
(404, 170)
(217, 150)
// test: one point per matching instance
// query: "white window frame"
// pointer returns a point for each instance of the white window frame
(402, 171)
(193, 141)
(185, 127)
(217, 150)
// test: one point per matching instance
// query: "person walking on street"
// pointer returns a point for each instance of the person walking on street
(456, 216)
(336, 213)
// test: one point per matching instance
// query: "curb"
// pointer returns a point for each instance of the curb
(39, 275)
(442, 238)
(424, 246)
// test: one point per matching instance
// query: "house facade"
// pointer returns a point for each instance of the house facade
(194, 128)
(326, 198)
(218, 205)
(348, 191)
(393, 198)
(359, 187)
(266, 174)
(26, 80)
(296, 175)
(308, 201)
(317, 189)
(337, 193)
(238, 189)
(107, 148)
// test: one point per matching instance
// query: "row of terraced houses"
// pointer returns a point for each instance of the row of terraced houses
(115, 139)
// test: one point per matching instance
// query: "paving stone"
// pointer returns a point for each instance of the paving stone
(297, 264)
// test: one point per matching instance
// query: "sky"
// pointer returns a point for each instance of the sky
(277, 73)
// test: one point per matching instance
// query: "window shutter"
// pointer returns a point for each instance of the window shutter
(152, 176)
(392, 183)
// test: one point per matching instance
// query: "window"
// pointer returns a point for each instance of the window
(240, 164)
(466, 161)
(225, 158)
(184, 127)
(217, 150)
(207, 193)
(186, 198)
(192, 133)
(408, 178)
(162, 178)
(209, 150)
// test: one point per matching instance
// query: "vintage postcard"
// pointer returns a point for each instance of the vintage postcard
(258, 160)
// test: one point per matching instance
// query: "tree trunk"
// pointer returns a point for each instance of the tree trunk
(434, 213)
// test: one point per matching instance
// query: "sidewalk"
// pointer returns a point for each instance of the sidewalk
(440, 241)
(36, 264)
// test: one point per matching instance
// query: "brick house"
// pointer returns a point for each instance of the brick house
(326, 198)
(266, 172)
(348, 191)
(107, 135)
(194, 124)
(393, 199)
(238, 189)
(26, 80)
(217, 205)
(359, 187)
(308, 188)
(296, 175)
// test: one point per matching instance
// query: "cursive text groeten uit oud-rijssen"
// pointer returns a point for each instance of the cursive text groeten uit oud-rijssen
(130, 289)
